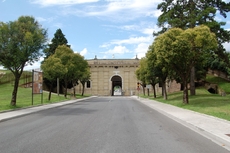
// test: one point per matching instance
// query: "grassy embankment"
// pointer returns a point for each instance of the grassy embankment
(204, 102)
(24, 96)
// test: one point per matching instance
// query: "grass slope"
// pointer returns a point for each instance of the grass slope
(24, 96)
(204, 102)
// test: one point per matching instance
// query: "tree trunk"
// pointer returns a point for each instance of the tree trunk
(83, 90)
(185, 93)
(65, 92)
(74, 92)
(15, 90)
(143, 89)
(164, 90)
(154, 91)
(51, 88)
(192, 82)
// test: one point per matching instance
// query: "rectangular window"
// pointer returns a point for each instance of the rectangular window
(88, 84)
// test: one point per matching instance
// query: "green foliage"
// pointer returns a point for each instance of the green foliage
(181, 49)
(53, 68)
(59, 39)
(20, 44)
(190, 13)
(74, 63)
(84, 77)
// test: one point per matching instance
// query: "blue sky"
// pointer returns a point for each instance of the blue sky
(105, 28)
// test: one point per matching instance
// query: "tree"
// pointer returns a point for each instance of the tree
(20, 44)
(73, 62)
(141, 73)
(84, 78)
(59, 39)
(52, 69)
(159, 69)
(152, 69)
(80, 72)
(181, 49)
(190, 13)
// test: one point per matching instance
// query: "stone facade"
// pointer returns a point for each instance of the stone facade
(109, 73)
(111, 77)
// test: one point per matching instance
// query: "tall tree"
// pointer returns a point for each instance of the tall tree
(181, 49)
(52, 69)
(20, 45)
(73, 62)
(58, 39)
(190, 13)
(84, 77)
(152, 69)
(141, 73)
(159, 69)
(80, 71)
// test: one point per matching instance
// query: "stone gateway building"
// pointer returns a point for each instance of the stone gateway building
(111, 77)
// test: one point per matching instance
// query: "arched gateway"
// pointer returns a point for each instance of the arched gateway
(110, 77)
(116, 86)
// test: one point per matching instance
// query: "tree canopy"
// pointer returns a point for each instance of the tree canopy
(181, 49)
(52, 69)
(58, 39)
(21, 42)
(186, 14)
(74, 63)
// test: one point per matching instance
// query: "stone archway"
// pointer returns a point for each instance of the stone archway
(116, 85)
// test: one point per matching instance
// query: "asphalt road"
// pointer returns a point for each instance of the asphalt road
(101, 125)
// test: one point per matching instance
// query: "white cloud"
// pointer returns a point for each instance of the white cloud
(42, 19)
(132, 40)
(141, 49)
(61, 2)
(115, 10)
(118, 50)
(84, 52)
(121, 10)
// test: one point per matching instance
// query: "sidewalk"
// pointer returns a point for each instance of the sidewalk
(21, 112)
(215, 129)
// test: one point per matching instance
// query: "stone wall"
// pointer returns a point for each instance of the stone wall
(103, 70)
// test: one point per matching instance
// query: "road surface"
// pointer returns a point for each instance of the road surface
(101, 125)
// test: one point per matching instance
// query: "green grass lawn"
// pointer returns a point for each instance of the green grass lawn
(24, 97)
(203, 102)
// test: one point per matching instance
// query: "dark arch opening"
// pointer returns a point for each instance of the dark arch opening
(116, 84)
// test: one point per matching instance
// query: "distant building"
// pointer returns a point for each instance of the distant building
(112, 77)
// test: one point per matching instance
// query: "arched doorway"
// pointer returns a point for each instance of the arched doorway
(116, 86)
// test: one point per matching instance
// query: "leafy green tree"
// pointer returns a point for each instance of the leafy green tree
(152, 69)
(85, 76)
(141, 73)
(190, 13)
(159, 69)
(59, 39)
(52, 69)
(80, 70)
(20, 45)
(181, 49)
(73, 62)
